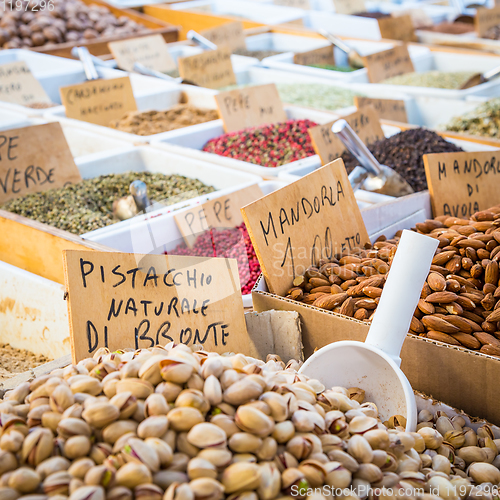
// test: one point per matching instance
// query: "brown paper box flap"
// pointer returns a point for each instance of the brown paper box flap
(397, 28)
(323, 55)
(388, 109)
(388, 63)
(229, 34)
(19, 86)
(486, 19)
(349, 6)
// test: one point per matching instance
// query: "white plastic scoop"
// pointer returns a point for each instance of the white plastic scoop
(374, 364)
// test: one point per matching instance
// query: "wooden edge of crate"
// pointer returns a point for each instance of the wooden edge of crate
(27, 376)
(37, 247)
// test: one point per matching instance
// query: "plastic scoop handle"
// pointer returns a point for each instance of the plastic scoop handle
(200, 40)
(88, 64)
(140, 68)
(398, 301)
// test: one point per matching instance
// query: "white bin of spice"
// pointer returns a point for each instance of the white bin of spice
(420, 56)
(449, 61)
(170, 97)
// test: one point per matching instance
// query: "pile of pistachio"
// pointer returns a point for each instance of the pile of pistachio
(175, 424)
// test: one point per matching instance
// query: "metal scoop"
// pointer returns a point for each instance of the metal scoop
(374, 364)
(200, 40)
(371, 176)
(479, 78)
(140, 68)
(83, 54)
(96, 60)
(353, 58)
(139, 190)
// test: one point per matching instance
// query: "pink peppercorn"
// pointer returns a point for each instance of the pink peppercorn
(268, 146)
(233, 243)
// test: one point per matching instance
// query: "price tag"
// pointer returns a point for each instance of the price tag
(299, 4)
(349, 6)
(323, 55)
(388, 63)
(120, 300)
(19, 86)
(151, 51)
(461, 184)
(35, 159)
(313, 218)
(397, 28)
(329, 147)
(228, 34)
(223, 212)
(99, 101)
(388, 109)
(250, 107)
(486, 19)
(211, 69)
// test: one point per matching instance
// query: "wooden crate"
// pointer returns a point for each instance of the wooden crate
(99, 46)
(37, 247)
(193, 20)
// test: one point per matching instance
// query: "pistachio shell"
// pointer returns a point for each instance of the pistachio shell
(154, 426)
(119, 493)
(206, 435)
(112, 432)
(359, 448)
(165, 478)
(207, 489)
(24, 480)
(244, 442)
(139, 388)
(80, 467)
(226, 423)
(484, 473)
(101, 414)
(162, 449)
(133, 474)
(37, 447)
(52, 465)
(126, 403)
(57, 484)
(221, 458)
(77, 447)
(8, 493)
(241, 476)
(148, 492)
(155, 404)
(242, 391)
(270, 481)
(150, 369)
(199, 467)
(178, 491)
(138, 451)
(88, 493)
(184, 418)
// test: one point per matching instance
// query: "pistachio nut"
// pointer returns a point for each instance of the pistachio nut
(155, 426)
(249, 419)
(337, 476)
(85, 384)
(212, 390)
(294, 481)
(470, 437)
(61, 398)
(184, 446)
(205, 488)
(241, 476)
(244, 495)
(136, 450)
(155, 405)
(50, 420)
(148, 492)
(52, 465)
(444, 425)
(176, 371)
(168, 390)
(472, 454)
(150, 370)
(378, 439)
(139, 388)
(207, 435)
(228, 378)
(359, 448)
(195, 382)
(119, 493)
(100, 451)
(199, 467)
(226, 423)
(179, 461)
(74, 411)
(100, 475)
(80, 467)
(268, 449)
(7, 493)
(77, 447)
(369, 472)
(270, 481)
(314, 472)
(283, 431)
(37, 446)
(212, 366)
(57, 484)
(243, 391)
(75, 484)
(162, 449)
(484, 473)
(244, 442)
(24, 480)
(126, 403)
(244, 457)
(220, 458)
(182, 419)
(101, 414)
(19, 393)
(308, 421)
(12, 440)
(432, 438)
(178, 491)
(69, 427)
(88, 493)
(133, 474)
(112, 432)
(278, 405)
(165, 478)
(443, 488)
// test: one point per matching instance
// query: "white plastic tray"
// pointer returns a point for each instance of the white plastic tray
(10, 119)
(421, 57)
(284, 43)
(252, 11)
(147, 159)
(446, 61)
(173, 95)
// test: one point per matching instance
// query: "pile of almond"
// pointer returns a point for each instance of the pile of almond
(459, 304)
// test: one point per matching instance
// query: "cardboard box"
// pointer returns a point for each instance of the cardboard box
(462, 378)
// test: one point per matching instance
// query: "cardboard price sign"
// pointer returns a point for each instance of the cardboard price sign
(250, 107)
(99, 101)
(349, 6)
(388, 109)
(294, 227)
(461, 184)
(151, 51)
(212, 69)
(19, 86)
(228, 34)
(323, 55)
(397, 28)
(300, 4)
(119, 300)
(486, 19)
(329, 147)
(220, 212)
(35, 159)
(388, 63)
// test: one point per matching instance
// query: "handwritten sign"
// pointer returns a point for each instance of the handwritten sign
(388, 109)
(397, 28)
(461, 184)
(300, 4)
(19, 86)
(388, 63)
(222, 212)
(323, 55)
(120, 300)
(486, 19)
(151, 51)
(228, 34)
(211, 69)
(99, 101)
(349, 6)
(250, 107)
(294, 227)
(329, 147)
(35, 159)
